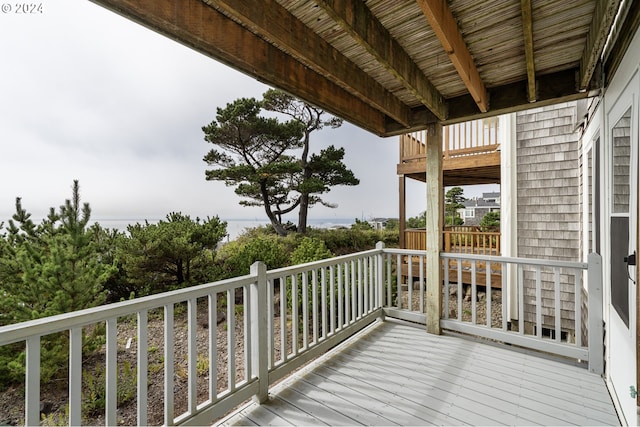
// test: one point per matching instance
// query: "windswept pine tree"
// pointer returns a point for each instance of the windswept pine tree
(270, 162)
(48, 269)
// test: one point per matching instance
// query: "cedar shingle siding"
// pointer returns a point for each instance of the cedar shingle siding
(548, 200)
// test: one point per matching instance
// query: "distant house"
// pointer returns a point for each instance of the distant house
(380, 223)
(477, 207)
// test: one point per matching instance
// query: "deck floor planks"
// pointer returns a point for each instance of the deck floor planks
(371, 399)
(483, 383)
(555, 383)
(395, 373)
(560, 377)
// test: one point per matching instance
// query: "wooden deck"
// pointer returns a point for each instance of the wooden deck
(396, 374)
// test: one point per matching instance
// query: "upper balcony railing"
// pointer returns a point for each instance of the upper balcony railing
(458, 239)
(275, 321)
(460, 139)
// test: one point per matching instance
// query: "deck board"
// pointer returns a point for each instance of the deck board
(395, 373)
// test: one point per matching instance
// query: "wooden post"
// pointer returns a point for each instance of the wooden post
(402, 212)
(434, 227)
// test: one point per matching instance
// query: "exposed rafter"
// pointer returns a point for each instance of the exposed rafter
(273, 22)
(603, 17)
(206, 30)
(366, 29)
(527, 32)
(446, 29)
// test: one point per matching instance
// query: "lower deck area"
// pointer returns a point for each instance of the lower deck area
(394, 373)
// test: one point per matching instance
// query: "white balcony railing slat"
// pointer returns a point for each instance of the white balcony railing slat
(75, 376)
(143, 361)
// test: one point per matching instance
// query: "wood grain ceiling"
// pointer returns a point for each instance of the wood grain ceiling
(393, 66)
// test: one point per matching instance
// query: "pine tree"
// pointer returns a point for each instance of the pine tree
(50, 269)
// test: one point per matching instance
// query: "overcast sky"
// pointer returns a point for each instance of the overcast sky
(86, 94)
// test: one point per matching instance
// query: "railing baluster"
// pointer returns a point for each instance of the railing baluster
(270, 324)
(422, 285)
(323, 299)
(409, 282)
(557, 310)
(192, 355)
(347, 294)
(340, 299)
(388, 260)
(447, 285)
(359, 263)
(143, 363)
(460, 296)
(365, 286)
(314, 303)
(305, 310)
(578, 313)
(283, 319)
(488, 293)
(168, 365)
(75, 376)
(248, 343)
(111, 373)
(294, 314)
(520, 300)
(213, 346)
(399, 281)
(503, 292)
(474, 293)
(231, 340)
(372, 284)
(32, 386)
(538, 302)
(332, 300)
(354, 292)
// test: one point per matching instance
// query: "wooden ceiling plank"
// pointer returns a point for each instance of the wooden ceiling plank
(603, 19)
(270, 20)
(527, 30)
(446, 29)
(199, 26)
(368, 31)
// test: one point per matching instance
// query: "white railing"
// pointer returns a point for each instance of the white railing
(262, 326)
(273, 323)
(550, 306)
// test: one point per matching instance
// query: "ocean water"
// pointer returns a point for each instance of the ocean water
(235, 227)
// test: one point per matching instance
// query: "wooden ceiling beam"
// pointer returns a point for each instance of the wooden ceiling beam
(368, 31)
(446, 29)
(552, 89)
(527, 32)
(273, 22)
(204, 29)
(603, 18)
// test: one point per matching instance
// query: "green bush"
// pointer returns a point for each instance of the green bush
(237, 256)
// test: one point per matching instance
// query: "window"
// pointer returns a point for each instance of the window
(469, 213)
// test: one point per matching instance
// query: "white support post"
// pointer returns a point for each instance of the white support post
(259, 355)
(379, 286)
(434, 227)
(596, 345)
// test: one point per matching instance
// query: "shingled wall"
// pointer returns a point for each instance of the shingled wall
(548, 199)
